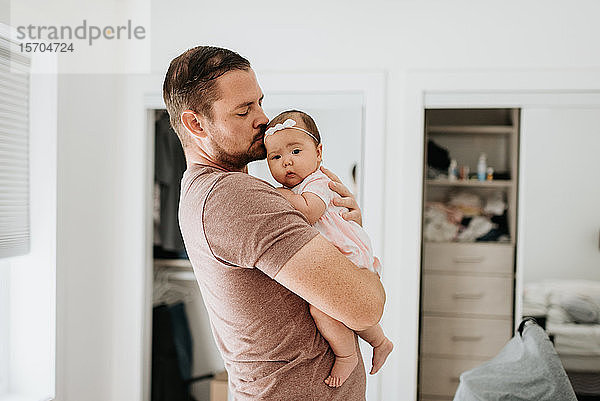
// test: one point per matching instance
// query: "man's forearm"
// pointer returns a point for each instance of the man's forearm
(377, 302)
(325, 278)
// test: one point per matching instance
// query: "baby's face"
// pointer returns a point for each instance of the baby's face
(292, 156)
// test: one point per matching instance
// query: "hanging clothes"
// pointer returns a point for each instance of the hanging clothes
(171, 353)
(169, 165)
(182, 338)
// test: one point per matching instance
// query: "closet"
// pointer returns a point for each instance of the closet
(184, 357)
(468, 242)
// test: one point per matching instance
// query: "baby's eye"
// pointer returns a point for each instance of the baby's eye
(296, 151)
(275, 157)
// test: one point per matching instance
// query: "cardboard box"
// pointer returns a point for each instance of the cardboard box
(218, 387)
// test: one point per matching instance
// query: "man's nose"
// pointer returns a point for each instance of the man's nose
(261, 119)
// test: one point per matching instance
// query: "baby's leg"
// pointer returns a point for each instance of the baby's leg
(382, 346)
(341, 340)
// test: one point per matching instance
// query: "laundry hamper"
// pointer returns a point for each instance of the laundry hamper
(526, 369)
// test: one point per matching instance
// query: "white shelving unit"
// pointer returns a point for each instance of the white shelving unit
(470, 183)
(467, 288)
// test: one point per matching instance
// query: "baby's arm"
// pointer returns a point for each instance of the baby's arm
(309, 204)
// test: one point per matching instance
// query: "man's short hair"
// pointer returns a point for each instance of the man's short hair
(191, 82)
(300, 117)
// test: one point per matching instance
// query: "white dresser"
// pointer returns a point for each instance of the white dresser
(466, 311)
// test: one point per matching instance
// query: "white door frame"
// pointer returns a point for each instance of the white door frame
(430, 88)
(372, 86)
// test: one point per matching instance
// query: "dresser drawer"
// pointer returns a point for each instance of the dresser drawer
(467, 294)
(464, 337)
(474, 258)
(440, 376)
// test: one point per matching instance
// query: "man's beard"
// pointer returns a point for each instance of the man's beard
(238, 161)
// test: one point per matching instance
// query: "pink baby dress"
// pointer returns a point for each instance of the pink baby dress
(347, 236)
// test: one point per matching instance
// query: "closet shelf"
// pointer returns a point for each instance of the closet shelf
(470, 183)
(185, 263)
(182, 276)
(471, 129)
(505, 243)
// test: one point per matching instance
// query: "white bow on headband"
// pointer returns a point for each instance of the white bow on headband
(289, 123)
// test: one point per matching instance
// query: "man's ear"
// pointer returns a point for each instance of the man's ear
(320, 152)
(193, 123)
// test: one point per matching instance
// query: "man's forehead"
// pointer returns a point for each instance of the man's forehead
(238, 87)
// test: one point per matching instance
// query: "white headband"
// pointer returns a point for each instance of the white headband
(289, 123)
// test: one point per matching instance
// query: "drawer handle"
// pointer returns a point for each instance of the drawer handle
(467, 295)
(468, 259)
(467, 338)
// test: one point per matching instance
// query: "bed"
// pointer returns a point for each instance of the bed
(572, 313)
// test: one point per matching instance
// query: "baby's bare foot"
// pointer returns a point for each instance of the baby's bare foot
(342, 368)
(380, 354)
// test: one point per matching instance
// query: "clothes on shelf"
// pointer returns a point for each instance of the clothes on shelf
(466, 217)
(438, 157)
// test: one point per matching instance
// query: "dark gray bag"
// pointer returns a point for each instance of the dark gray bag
(526, 369)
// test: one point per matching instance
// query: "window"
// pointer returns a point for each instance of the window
(14, 149)
(4, 316)
(14, 178)
(27, 261)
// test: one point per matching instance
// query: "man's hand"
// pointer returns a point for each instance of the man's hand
(347, 198)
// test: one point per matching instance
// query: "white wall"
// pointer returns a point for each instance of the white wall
(101, 148)
(88, 236)
(5, 11)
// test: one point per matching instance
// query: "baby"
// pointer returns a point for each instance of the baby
(294, 152)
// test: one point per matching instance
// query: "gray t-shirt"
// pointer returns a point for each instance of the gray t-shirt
(239, 232)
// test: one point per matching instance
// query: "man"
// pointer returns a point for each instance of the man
(257, 260)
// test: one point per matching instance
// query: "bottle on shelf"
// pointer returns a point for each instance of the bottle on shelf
(482, 167)
(453, 170)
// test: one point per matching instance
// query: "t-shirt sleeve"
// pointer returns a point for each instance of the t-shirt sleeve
(319, 185)
(248, 224)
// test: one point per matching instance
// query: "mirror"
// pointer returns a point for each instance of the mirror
(559, 222)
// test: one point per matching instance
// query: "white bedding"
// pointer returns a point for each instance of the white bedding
(576, 339)
(577, 345)
(580, 363)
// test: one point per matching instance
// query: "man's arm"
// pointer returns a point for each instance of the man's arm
(325, 278)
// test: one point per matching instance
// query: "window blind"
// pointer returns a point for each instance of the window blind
(14, 149)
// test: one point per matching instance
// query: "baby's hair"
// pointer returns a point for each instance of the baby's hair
(306, 120)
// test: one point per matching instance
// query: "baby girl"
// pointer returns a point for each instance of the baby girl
(294, 152)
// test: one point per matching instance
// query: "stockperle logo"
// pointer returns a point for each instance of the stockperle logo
(48, 34)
